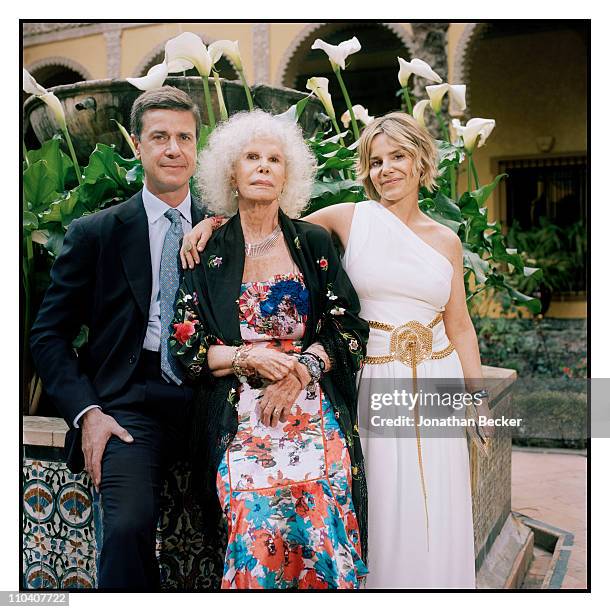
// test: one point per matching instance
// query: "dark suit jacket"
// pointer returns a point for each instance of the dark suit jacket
(102, 278)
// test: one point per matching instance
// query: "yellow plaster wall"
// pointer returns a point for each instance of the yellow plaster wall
(281, 36)
(532, 86)
(89, 51)
(137, 43)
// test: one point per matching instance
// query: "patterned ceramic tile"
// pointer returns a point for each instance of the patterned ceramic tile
(62, 532)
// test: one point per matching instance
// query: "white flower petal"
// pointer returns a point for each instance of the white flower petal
(419, 111)
(228, 48)
(154, 78)
(31, 86)
(436, 94)
(477, 128)
(179, 65)
(417, 67)
(319, 86)
(55, 105)
(361, 114)
(338, 53)
(457, 94)
(189, 47)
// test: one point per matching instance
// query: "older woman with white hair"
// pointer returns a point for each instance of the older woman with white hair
(269, 325)
(408, 273)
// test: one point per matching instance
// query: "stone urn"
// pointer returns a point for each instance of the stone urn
(93, 107)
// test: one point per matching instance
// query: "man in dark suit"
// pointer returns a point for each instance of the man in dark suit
(122, 396)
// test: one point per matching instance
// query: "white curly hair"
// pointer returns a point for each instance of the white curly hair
(228, 141)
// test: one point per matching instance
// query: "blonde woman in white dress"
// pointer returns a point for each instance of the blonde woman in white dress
(406, 267)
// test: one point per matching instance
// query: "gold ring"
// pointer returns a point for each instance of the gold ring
(187, 246)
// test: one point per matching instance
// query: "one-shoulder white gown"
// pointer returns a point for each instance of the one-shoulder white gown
(399, 278)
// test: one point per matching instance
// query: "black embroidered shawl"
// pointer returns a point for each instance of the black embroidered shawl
(207, 314)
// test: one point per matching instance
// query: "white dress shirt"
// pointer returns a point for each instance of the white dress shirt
(158, 225)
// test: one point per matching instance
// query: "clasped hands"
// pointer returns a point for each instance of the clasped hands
(288, 378)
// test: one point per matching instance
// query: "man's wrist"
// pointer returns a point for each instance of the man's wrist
(91, 413)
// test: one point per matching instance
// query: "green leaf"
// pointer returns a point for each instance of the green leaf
(531, 303)
(30, 221)
(481, 194)
(58, 163)
(103, 162)
(39, 186)
(65, 210)
(334, 187)
(474, 262)
(454, 226)
(56, 239)
(204, 134)
(447, 207)
(448, 154)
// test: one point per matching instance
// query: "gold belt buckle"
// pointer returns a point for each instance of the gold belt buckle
(411, 339)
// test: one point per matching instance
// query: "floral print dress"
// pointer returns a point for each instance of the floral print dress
(285, 490)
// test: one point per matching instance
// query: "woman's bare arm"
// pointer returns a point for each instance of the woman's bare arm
(461, 332)
(336, 219)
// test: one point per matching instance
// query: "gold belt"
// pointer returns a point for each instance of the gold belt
(411, 343)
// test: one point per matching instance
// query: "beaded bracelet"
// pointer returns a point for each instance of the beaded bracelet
(239, 368)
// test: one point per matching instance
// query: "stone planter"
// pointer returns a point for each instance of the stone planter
(92, 107)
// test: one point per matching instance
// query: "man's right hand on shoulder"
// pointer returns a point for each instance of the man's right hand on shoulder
(97, 428)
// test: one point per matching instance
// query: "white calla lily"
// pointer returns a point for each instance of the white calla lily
(338, 53)
(31, 86)
(361, 113)
(419, 111)
(228, 48)
(417, 67)
(457, 94)
(154, 78)
(188, 48)
(476, 130)
(319, 86)
(52, 101)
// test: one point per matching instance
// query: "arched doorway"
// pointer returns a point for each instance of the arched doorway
(371, 78)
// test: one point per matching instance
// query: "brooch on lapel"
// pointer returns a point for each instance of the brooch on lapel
(214, 261)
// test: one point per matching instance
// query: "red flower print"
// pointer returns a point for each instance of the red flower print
(311, 580)
(323, 263)
(183, 331)
(298, 424)
(269, 549)
(294, 565)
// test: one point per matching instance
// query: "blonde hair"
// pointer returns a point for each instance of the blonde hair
(411, 137)
(228, 141)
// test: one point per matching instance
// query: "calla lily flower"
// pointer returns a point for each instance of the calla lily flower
(338, 53)
(31, 86)
(361, 113)
(54, 104)
(319, 86)
(228, 48)
(417, 67)
(419, 110)
(457, 94)
(476, 130)
(154, 78)
(52, 101)
(188, 50)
